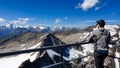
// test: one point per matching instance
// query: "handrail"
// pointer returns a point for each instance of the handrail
(65, 62)
(40, 49)
(50, 47)
(48, 66)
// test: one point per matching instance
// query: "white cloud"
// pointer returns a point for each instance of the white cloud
(2, 20)
(87, 4)
(21, 21)
(66, 18)
(58, 20)
(25, 19)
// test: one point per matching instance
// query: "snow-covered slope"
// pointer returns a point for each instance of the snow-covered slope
(15, 61)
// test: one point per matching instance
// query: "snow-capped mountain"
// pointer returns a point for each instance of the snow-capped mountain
(11, 29)
(62, 28)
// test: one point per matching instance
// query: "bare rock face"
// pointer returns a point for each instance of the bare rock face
(44, 58)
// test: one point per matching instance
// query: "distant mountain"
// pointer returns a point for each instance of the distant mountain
(55, 28)
(11, 29)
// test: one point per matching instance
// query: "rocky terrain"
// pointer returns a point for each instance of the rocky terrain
(30, 40)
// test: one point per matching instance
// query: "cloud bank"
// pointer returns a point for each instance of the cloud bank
(21, 21)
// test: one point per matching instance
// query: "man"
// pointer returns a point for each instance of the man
(101, 38)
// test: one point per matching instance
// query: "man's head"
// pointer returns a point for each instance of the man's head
(100, 23)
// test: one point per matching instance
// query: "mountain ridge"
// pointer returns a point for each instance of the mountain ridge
(11, 29)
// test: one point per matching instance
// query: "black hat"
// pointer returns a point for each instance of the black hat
(101, 23)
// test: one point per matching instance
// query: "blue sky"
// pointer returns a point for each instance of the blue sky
(73, 13)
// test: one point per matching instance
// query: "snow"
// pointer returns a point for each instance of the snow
(73, 53)
(113, 31)
(33, 57)
(10, 26)
(23, 26)
(22, 45)
(57, 28)
(88, 48)
(83, 35)
(34, 27)
(116, 60)
(7, 25)
(112, 28)
(110, 46)
(119, 34)
(51, 53)
(114, 38)
(14, 62)
(35, 46)
(41, 27)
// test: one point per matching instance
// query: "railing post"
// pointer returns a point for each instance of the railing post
(61, 55)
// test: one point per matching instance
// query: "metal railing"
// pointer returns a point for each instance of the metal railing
(46, 48)
(40, 49)
(64, 62)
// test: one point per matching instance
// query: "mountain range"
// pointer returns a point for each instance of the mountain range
(11, 29)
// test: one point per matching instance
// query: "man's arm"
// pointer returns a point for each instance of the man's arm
(109, 38)
(90, 37)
